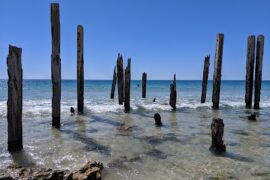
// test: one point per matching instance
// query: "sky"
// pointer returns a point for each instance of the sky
(162, 37)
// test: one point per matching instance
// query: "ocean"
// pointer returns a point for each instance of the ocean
(177, 150)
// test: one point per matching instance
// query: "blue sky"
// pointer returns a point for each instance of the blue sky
(161, 36)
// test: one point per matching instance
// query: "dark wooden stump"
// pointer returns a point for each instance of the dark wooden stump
(252, 117)
(14, 103)
(127, 86)
(56, 65)
(157, 118)
(144, 79)
(258, 71)
(80, 69)
(173, 94)
(113, 83)
(217, 128)
(72, 110)
(250, 70)
(205, 78)
(217, 71)
(120, 79)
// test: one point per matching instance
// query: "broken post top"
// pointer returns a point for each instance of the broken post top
(207, 59)
(55, 4)
(260, 41)
(260, 37)
(79, 27)
(260, 48)
(14, 61)
(219, 45)
(174, 81)
(119, 61)
(251, 36)
(80, 33)
(220, 35)
(119, 56)
(120, 78)
(14, 50)
(55, 20)
(129, 62)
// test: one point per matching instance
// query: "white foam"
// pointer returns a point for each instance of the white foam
(43, 107)
(105, 108)
(154, 107)
(193, 105)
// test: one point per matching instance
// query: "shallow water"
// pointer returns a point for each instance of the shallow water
(178, 150)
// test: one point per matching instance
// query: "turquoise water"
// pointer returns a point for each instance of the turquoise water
(37, 95)
(177, 150)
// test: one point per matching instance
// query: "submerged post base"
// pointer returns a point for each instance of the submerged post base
(15, 145)
(256, 106)
(56, 122)
(157, 118)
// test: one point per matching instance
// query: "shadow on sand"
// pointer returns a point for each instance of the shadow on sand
(233, 156)
(90, 144)
(106, 121)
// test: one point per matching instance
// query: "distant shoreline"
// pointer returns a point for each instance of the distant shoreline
(131, 80)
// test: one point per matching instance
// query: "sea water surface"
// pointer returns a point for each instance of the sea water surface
(177, 150)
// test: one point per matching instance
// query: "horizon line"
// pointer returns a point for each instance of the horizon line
(140, 79)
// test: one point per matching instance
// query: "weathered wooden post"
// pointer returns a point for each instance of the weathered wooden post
(217, 130)
(14, 103)
(127, 86)
(205, 78)
(250, 70)
(56, 65)
(258, 71)
(113, 83)
(157, 118)
(80, 69)
(217, 70)
(173, 94)
(252, 117)
(144, 79)
(120, 79)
